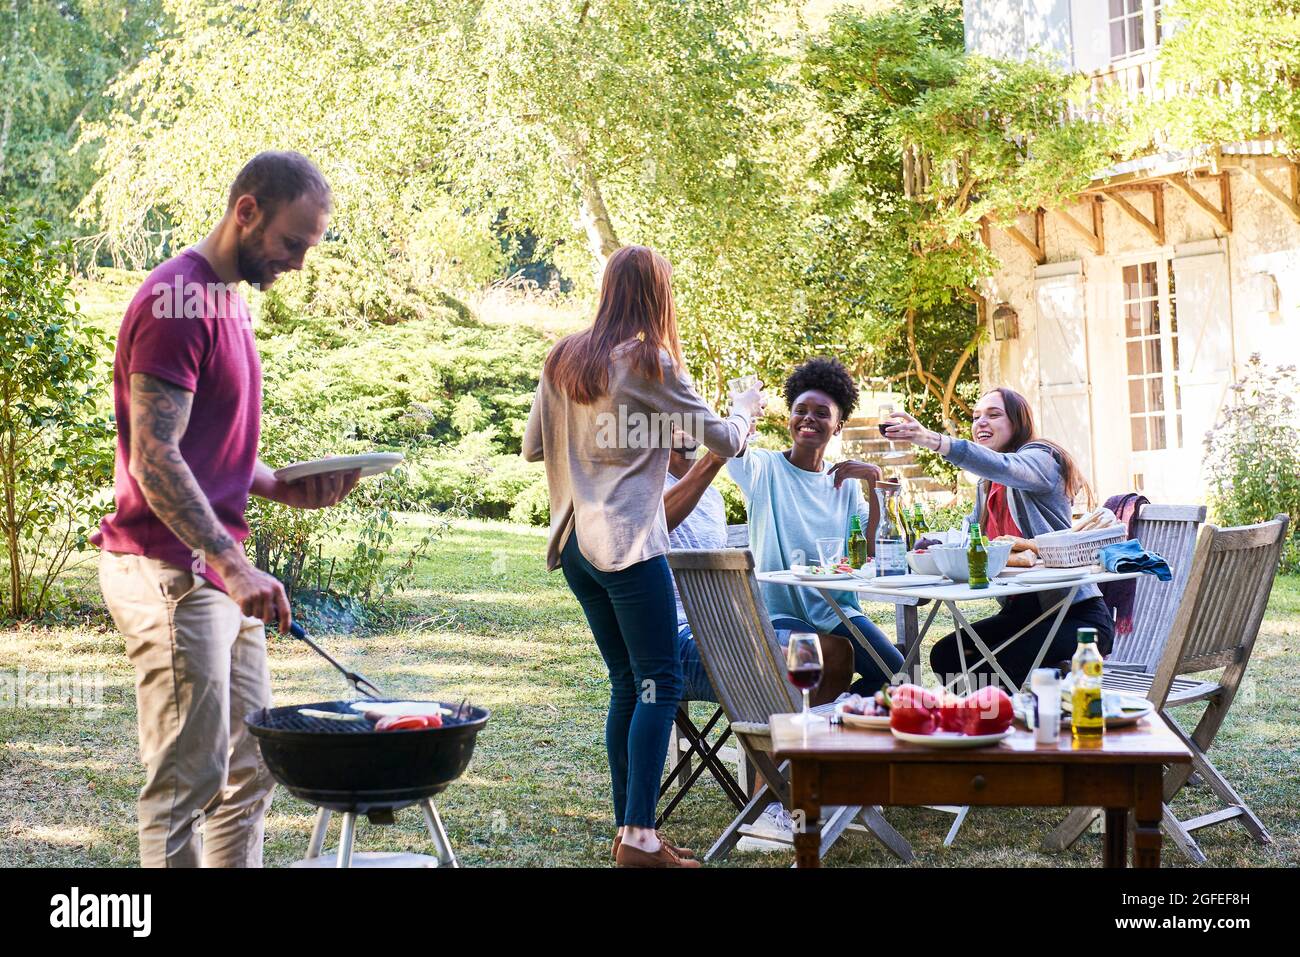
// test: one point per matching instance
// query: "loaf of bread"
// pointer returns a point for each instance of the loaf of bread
(1018, 544)
(1025, 559)
(1101, 517)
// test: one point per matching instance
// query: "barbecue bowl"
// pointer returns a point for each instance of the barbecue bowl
(347, 766)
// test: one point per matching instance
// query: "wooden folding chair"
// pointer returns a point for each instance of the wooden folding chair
(1170, 531)
(746, 666)
(1216, 625)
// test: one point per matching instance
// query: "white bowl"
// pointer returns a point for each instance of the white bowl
(923, 563)
(952, 563)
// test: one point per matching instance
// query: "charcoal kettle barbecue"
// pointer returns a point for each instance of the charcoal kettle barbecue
(343, 765)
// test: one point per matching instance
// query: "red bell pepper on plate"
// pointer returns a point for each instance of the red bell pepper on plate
(914, 710)
(987, 711)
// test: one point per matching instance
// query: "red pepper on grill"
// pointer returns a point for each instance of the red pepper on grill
(408, 722)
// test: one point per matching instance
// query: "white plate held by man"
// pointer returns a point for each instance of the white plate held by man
(369, 463)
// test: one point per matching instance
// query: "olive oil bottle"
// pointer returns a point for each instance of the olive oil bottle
(1087, 722)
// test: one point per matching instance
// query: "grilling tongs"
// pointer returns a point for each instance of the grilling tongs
(358, 681)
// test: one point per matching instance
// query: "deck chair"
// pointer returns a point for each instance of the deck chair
(1216, 625)
(1170, 531)
(746, 666)
(689, 742)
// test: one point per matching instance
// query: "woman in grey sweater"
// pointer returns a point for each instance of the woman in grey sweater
(609, 400)
(1027, 487)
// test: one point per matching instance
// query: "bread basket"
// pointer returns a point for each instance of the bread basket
(1076, 549)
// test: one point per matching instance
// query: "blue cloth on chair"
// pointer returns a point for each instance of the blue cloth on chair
(1130, 556)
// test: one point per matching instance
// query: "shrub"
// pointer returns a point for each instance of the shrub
(1253, 453)
(56, 449)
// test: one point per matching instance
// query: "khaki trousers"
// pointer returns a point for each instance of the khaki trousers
(200, 667)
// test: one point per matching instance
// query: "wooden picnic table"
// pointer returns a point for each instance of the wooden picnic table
(834, 766)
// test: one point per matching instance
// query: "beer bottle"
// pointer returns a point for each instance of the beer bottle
(856, 547)
(977, 558)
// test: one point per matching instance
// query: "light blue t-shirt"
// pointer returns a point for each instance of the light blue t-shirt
(789, 509)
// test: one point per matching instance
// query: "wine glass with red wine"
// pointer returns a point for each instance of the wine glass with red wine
(803, 666)
(886, 410)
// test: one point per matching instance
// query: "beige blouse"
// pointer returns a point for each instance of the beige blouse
(606, 462)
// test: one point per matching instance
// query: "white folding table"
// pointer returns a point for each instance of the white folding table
(948, 595)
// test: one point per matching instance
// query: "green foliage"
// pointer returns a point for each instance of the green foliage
(358, 358)
(56, 450)
(1253, 453)
(1237, 66)
(57, 60)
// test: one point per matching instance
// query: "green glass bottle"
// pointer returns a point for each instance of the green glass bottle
(977, 557)
(919, 524)
(856, 547)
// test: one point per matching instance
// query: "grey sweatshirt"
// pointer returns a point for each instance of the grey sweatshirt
(1035, 487)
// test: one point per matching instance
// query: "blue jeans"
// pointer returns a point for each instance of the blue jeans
(871, 679)
(695, 680)
(634, 621)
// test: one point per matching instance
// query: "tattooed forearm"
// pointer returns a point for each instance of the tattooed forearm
(160, 413)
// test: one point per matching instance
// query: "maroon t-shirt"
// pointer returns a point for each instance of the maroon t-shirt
(185, 327)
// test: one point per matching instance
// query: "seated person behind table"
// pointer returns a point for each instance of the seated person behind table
(1027, 486)
(792, 499)
(697, 518)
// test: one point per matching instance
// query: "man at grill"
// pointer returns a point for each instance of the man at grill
(187, 390)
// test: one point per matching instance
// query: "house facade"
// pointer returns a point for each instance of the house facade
(1126, 314)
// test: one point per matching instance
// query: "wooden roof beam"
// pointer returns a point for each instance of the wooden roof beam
(1291, 203)
(1036, 247)
(1222, 217)
(1095, 236)
(1155, 226)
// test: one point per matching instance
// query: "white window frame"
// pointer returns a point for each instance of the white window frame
(1152, 31)
(1169, 369)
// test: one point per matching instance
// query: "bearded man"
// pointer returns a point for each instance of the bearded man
(187, 390)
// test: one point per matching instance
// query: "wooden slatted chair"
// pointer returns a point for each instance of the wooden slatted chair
(746, 666)
(1170, 531)
(1216, 625)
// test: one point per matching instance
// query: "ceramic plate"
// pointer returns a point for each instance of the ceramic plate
(371, 463)
(399, 707)
(811, 577)
(1039, 575)
(950, 739)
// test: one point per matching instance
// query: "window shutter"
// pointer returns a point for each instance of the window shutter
(1090, 26)
(1062, 331)
(1203, 307)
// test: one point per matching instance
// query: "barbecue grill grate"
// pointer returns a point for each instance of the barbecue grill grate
(288, 719)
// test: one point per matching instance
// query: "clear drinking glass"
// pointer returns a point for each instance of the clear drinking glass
(803, 664)
(829, 551)
(742, 384)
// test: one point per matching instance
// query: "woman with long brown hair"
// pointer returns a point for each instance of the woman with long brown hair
(1027, 487)
(608, 402)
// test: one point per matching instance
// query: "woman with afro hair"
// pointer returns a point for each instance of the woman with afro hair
(794, 498)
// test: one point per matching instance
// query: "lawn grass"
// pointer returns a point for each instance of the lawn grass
(486, 621)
